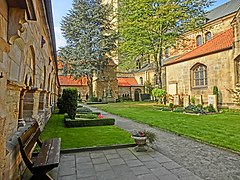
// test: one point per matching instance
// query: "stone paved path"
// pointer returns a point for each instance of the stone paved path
(202, 160)
(121, 164)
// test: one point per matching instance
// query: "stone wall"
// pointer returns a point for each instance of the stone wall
(220, 72)
(27, 69)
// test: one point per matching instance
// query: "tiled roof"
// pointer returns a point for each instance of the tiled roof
(127, 81)
(223, 10)
(70, 81)
(60, 65)
(219, 43)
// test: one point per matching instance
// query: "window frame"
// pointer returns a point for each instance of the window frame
(198, 38)
(199, 76)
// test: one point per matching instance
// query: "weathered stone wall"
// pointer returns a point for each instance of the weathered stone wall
(220, 72)
(26, 66)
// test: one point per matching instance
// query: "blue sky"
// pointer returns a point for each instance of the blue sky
(60, 9)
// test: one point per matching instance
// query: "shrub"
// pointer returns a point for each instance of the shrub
(60, 105)
(69, 97)
(194, 109)
(210, 108)
(83, 110)
(171, 105)
(193, 100)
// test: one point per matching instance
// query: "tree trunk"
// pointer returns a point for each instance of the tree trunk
(90, 87)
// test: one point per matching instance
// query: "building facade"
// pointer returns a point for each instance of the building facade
(211, 59)
(28, 75)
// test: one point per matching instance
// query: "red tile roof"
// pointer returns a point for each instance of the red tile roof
(70, 81)
(60, 65)
(219, 43)
(127, 81)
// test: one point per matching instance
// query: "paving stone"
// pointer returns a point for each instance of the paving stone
(89, 178)
(97, 155)
(67, 158)
(114, 162)
(84, 173)
(171, 165)
(147, 177)
(169, 177)
(121, 169)
(162, 159)
(71, 177)
(161, 172)
(102, 167)
(127, 176)
(86, 165)
(124, 152)
(128, 157)
(145, 158)
(82, 154)
(64, 171)
(110, 151)
(152, 164)
(134, 163)
(106, 174)
(83, 159)
(182, 172)
(140, 170)
(112, 156)
(67, 163)
(99, 160)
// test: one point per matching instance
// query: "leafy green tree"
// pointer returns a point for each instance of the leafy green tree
(90, 36)
(159, 93)
(149, 27)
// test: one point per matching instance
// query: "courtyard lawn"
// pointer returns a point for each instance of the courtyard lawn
(218, 129)
(84, 136)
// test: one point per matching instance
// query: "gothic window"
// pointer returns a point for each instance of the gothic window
(238, 72)
(199, 40)
(138, 64)
(199, 74)
(141, 80)
(208, 36)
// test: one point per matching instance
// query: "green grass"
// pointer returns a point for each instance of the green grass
(218, 129)
(84, 136)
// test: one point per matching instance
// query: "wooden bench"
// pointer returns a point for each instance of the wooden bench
(48, 157)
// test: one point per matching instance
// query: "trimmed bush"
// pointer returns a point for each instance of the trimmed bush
(60, 105)
(83, 110)
(82, 122)
(69, 97)
(87, 115)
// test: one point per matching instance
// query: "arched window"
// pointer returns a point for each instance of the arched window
(199, 74)
(199, 40)
(208, 36)
(141, 80)
(138, 64)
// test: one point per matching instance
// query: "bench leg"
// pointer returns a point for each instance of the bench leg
(41, 177)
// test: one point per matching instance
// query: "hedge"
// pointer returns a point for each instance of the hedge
(81, 122)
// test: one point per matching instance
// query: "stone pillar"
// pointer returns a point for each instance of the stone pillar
(31, 104)
(21, 121)
(186, 100)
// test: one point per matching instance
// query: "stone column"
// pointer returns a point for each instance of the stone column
(21, 121)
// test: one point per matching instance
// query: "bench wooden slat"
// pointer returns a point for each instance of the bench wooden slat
(25, 136)
(28, 146)
(41, 159)
(54, 155)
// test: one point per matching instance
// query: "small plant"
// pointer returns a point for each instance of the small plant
(194, 109)
(193, 100)
(150, 136)
(159, 93)
(171, 106)
(210, 108)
